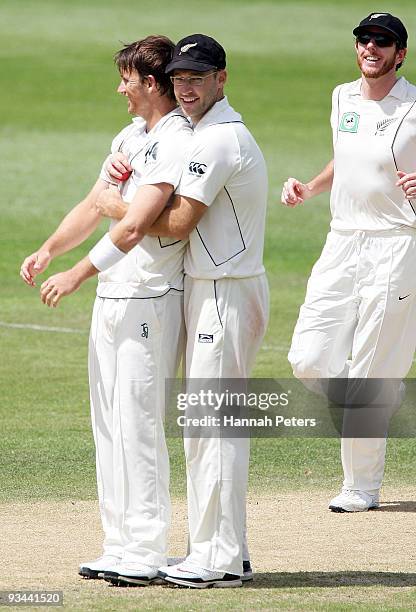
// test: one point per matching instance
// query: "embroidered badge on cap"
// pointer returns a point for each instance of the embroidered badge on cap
(186, 48)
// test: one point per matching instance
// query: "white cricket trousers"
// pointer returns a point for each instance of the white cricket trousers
(134, 345)
(234, 311)
(359, 321)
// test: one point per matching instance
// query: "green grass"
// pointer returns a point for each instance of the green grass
(59, 113)
(320, 592)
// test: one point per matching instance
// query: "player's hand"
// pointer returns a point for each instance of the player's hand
(33, 265)
(118, 167)
(110, 203)
(294, 192)
(408, 183)
(58, 285)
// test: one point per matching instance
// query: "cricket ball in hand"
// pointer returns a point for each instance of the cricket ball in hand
(125, 175)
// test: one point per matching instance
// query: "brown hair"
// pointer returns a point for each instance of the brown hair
(150, 55)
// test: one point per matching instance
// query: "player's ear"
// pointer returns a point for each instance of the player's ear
(222, 77)
(400, 55)
(151, 82)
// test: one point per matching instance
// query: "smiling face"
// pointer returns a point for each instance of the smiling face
(197, 98)
(132, 86)
(375, 61)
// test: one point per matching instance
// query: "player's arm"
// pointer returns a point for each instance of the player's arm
(179, 219)
(176, 221)
(76, 226)
(146, 206)
(110, 203)
(294, 192)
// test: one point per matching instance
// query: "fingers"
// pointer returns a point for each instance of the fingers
(408, 183)
(292, 193)
(121, 176)
(119, 167)
(50, 293)
(34, 264)
(409, 189)
(26, 270)
(116, 171)
(122, 159)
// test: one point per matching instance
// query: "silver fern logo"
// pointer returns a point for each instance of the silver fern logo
(186, 48)
(383, 125)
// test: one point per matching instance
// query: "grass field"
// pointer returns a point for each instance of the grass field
(59, 113)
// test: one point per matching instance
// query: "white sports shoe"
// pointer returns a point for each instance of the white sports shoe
(95, 569)
(354, 501)
(165, 568)
(189, 575)
(131, 574)
(246, 576)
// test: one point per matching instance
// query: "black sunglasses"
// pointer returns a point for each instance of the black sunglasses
(381, 40)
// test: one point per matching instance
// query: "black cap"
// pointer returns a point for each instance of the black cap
(197, 52)
(387, 22)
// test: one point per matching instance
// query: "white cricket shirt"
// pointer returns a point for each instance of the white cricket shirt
(155, 265)
(372, 140)
(226, 171)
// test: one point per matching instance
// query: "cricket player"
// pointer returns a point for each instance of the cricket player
(221, 204)
(136, 331)
(358, 319)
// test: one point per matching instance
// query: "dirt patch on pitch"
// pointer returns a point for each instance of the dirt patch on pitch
(43, 543)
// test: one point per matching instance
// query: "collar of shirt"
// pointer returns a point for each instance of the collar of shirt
(221, 112)
(140, 123)
(399, 89)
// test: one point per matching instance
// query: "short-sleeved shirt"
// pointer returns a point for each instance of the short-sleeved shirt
(155, 265)
(372, 140)
(226, 171)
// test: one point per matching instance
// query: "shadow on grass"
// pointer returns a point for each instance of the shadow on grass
(281, 580)
(397, 506)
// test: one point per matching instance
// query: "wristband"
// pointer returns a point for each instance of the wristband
(105, 254)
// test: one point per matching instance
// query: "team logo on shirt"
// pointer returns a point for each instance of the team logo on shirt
(145, 330)
(151, 153)
(206, 338)
(349, 123)
(197, 169)
(383, 125)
